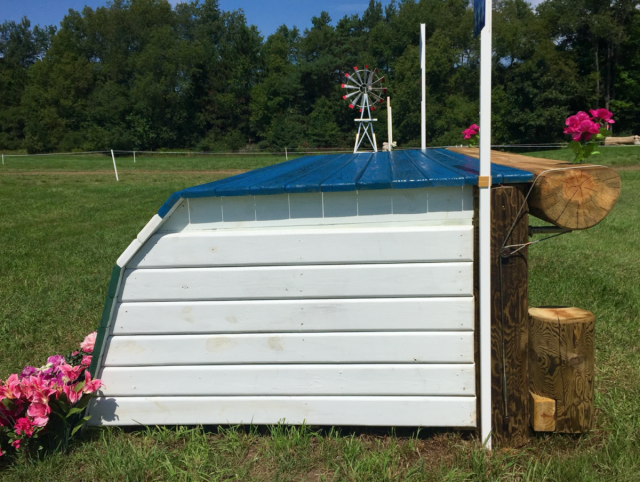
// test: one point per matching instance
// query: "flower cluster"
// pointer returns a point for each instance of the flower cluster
(472, 134)
(28, 399)
(582, 126)
(586, 130)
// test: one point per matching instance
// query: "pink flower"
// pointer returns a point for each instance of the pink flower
(582, 130)
(471, 131)
(603, 114)
(24, 426)
(72, 395)
(575, 120)
(88, 343)
(91, 386)
(75, 353)
(16, 444)
(86, 360)
(11, 389)
(39, 412)
(37, 389)
(475, 127)
(69, 373)
(40, 421)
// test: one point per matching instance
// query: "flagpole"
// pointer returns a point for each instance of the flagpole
(484, 187)
(423, 105)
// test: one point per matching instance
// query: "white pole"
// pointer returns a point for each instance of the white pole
(389, 124)
(114, 164)
(286, 155)
(485, 227)
(423, 105)
(134, 157)
(3, 159)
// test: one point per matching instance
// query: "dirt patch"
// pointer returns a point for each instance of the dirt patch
(227, 172)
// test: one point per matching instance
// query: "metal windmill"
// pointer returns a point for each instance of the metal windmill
(364, 91)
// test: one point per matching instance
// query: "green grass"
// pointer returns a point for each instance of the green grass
(60, 236)
(148, 162)
(616, 156)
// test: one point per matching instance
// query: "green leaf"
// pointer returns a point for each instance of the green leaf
(8, 403)
(73, 411)
(84, 401)
(78, 387)
(80, 424)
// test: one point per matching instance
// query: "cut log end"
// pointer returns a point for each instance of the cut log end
(571, 196)
(577, 198)
(542, 411)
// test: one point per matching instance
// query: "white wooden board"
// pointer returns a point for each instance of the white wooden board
(282, 282)
(347, 410)
(387, 347)
(385, 205)
(384, 314)
(305, 246)
(257, 380)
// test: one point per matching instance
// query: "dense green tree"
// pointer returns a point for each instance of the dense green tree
(140, 74)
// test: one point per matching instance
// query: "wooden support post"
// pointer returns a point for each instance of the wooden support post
(561, 364)
(509, 319)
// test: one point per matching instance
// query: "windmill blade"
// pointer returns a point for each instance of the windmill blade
(355, 102)
(347, 86)
(370, 79)
(351, 78)
(379, 79)
(351, 94)
(376, 96)
(359, 78)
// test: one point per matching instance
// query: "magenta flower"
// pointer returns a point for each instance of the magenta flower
(11, 389)
(86, 360)
(27, 372)
(603, 114)
(575, 120)
(24, 426)
(88, 343)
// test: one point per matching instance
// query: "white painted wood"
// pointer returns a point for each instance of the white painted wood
(131, 250)
(340, 204)
(286, 282)
(305, 246)
(149, 229)
(347, 410)
(387, 347)
(307, 205)
(205, 210)
(385, 314)
(219, 380)
(238, 208)
(177, 219)
(485, 294)
(443, 203)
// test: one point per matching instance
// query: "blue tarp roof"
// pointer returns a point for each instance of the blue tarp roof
(351, 172)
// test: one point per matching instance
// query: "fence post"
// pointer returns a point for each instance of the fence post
(3, 159)
(114, 164)
(286, 155)
(134, 157)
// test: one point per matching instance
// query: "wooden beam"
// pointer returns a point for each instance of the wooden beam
(572, 196)
(543, 413)
(561, 364)
(510, 425)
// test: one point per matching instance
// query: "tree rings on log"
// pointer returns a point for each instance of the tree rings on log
(571, 196)
(561, 364)
(576, 198)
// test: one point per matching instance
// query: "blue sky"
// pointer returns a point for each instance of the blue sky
(268, 15)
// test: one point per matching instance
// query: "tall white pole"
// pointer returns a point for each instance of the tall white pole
(485, 227)
(134, 157)
(389, 124)
(423, 105)
(114, 164)
(3, 159)
(286, 154)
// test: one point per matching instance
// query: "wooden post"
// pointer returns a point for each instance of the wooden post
(509, 319)
(561, 364)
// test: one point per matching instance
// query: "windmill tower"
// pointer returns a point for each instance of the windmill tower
(364, 90)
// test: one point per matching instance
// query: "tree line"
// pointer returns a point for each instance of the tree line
(143, 75)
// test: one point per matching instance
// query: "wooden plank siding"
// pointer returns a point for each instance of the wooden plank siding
(290, 282)
(262, 380)
(293, 246)
(272, 316)
(387, 347)
(328, 410)
(257, 309)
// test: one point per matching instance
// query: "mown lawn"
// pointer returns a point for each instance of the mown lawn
(60, 236)
(616, 156)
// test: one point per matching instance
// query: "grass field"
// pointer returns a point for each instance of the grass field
(60, 236)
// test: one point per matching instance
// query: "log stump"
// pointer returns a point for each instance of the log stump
(561, 364)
